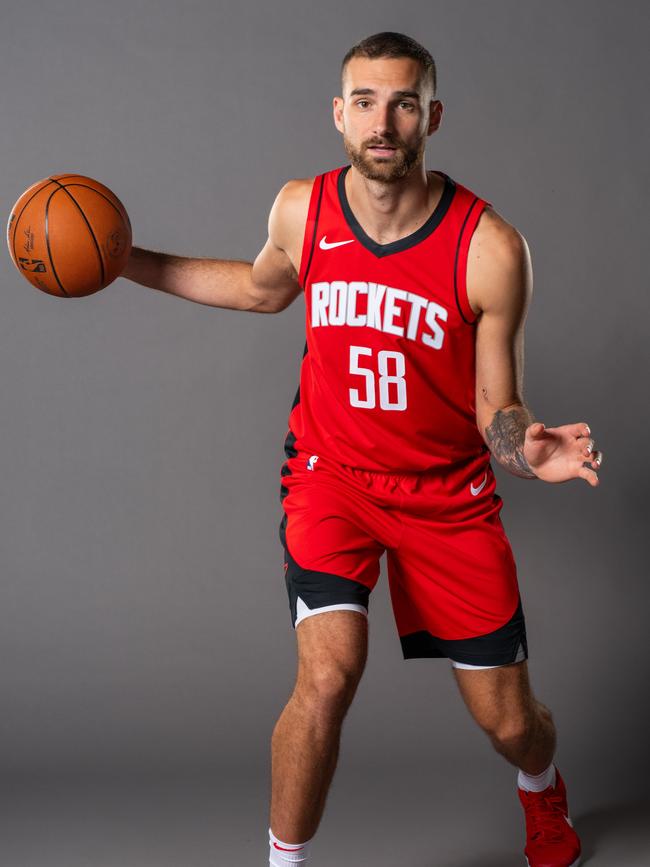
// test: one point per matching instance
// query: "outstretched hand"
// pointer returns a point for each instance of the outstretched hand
(557, 454)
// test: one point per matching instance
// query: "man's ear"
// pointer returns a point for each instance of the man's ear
(337, 112)
(435, 115)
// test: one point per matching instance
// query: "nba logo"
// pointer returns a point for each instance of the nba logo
(312, 460)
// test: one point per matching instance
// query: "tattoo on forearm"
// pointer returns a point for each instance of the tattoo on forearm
(505, 438)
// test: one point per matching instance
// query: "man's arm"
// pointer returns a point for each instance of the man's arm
(267, 285)
(499, 280)
(500, 284)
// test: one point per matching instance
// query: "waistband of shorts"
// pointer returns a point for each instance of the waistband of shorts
(390, 474)
(444, 470)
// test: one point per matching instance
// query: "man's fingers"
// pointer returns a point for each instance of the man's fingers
(586, 447)
(536, 428)
(594, 461)
(588, 475)
(581, 429)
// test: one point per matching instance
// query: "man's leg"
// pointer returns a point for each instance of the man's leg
(332, 652)
(501, 701)
(522, 730)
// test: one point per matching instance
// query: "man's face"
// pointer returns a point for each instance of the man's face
(385, 115)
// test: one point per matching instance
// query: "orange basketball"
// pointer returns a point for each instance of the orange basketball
(69, 235)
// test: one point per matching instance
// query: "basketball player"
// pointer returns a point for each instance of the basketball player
(416, 294)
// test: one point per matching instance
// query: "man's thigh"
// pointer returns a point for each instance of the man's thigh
(332, 645)
(494, 694)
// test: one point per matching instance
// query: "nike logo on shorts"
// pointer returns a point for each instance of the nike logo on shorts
(474, 491)
(325, 245)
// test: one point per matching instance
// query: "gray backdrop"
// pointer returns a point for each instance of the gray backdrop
(145, 634)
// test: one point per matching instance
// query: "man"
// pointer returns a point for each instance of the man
(416, 295)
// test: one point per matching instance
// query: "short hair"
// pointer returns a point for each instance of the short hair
(390, 44)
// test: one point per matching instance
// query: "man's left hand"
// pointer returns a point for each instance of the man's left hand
(557, 454)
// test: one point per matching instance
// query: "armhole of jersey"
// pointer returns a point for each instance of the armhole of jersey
(311, 226)
(460, 265)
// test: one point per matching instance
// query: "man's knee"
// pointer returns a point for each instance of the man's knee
(329, 685)
(332, 657)
(325, 690)
(518, 727)
(512, 731)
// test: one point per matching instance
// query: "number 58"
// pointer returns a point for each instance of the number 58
(386, 379)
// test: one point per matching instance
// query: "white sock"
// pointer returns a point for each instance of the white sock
(537, 783)
(287, 854)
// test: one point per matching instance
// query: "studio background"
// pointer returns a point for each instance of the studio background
(146, 648)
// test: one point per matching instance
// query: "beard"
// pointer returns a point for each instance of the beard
(386, 169)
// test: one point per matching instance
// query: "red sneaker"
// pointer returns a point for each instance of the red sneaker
(550, 838)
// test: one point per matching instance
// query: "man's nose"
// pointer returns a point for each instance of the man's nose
(382, 120)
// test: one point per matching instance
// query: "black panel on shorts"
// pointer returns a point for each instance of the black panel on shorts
(318, 589)
(494, 648)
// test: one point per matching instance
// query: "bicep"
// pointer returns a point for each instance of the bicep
(505, 287)
(274, 278)
(274, 274)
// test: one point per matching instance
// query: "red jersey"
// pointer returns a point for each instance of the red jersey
(387, 381)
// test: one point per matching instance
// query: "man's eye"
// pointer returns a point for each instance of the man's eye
(362, 103)
(408, 105)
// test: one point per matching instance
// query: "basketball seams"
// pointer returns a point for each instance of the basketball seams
(18, 216)
(122, 213)
(47, 241)
(85, 219)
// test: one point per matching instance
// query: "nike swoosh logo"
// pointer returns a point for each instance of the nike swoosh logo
(275, 846)
(324, 245)
(474, 491)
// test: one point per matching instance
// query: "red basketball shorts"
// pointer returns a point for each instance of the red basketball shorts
(451, 573)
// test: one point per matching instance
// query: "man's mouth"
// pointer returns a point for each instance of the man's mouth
(382, 150)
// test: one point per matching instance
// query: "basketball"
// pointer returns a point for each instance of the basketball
(69, 235)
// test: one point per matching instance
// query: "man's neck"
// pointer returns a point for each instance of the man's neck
(390, 211)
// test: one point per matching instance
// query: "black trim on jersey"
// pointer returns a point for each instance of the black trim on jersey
(460, 238)
(500, 647)
(411, 240)
(313, 239)
(291, 452)
(296, 399)
(289, 448)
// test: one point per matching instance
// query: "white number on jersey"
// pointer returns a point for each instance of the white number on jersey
(392, 385)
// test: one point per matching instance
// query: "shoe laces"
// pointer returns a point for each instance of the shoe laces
(546, 818)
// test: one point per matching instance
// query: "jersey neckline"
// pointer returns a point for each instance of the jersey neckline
(379, 250)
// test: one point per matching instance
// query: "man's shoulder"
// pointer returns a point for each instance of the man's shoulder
(289, 213)
(491, 224)
(498, 265)
(291, 208)
(292, 201)
(299, 190)
(496, 236)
